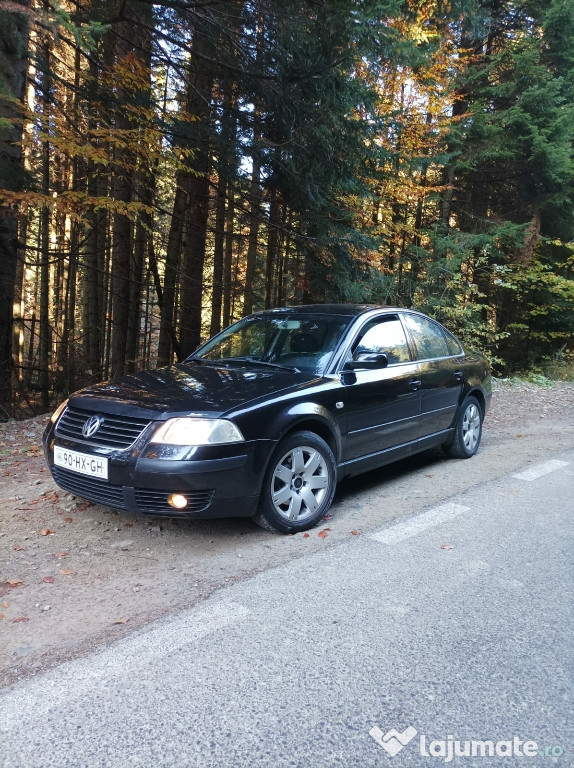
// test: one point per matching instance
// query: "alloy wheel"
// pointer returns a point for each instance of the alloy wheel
(471, 426)
(299, 483)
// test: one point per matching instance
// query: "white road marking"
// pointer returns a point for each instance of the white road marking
(533, 473)
(428, 519)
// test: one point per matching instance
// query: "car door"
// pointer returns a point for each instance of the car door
(440, 372)
(383, 405)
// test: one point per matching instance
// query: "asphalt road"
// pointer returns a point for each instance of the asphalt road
(449, 630)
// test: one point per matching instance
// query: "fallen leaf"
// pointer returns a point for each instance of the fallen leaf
(121, 621)
(355, 533)
(4, 604)
(1, 615)
(54, 498)
(327, 517)
(84, 505)
(69, 519)
(60, 554)
(322, 534)
(20, 620)
(429, 475)
(305, 535)
(46, 532)
(67, 572)
(128, 525)
(16, 548)
(48, 579)
(13, 582)
(446, 546)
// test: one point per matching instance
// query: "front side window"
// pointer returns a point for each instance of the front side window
(386, 337)
(428, 337)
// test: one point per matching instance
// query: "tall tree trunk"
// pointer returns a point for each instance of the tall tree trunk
(272, 249)
(255, 216)
(194, 247)
(218, 257)
(228, 257)
(121, 225)
(172, 258)
(14, 31)
(223, 175)
(144, 224)
(44, 348)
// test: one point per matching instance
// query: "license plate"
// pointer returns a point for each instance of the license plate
(83, 463)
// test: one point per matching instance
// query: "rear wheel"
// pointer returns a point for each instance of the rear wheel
(468, 431)
(299, 484)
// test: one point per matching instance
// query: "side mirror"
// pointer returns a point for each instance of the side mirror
(367, 361)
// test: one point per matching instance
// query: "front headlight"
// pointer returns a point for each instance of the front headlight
(58, 412)
(196, 431)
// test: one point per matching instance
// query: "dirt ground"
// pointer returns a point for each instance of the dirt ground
(75, 575)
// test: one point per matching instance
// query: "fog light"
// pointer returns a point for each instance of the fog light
(177, 500)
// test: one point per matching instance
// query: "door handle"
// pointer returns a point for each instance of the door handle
(414, 384)
(458, 375)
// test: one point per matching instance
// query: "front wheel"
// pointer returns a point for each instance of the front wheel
(467, 431)
(299, 484)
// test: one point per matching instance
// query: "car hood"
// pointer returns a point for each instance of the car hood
(190, 387)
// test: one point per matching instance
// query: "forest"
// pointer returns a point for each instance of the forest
(169, 167)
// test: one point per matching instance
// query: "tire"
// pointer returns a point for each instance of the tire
(467, 431)
(299, 484)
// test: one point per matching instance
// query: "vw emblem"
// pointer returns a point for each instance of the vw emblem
(92, 425)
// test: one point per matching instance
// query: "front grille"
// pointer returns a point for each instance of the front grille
(149, 501)
(90, 488)
(155, 502)
(117, 432)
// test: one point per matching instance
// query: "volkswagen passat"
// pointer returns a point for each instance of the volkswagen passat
(265, 418)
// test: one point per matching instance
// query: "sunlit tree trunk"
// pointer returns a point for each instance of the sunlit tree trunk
(45, 341)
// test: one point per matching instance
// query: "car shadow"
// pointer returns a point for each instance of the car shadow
(396, 471)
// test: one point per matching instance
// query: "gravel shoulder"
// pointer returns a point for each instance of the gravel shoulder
(74, 576)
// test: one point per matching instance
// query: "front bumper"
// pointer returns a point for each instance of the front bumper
(220, 481)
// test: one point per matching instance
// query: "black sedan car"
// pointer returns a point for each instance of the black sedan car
(265, 418)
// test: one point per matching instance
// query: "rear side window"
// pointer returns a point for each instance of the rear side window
(429, 339)
(453, 346)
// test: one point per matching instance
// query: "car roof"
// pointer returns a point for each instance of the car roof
(348, 310)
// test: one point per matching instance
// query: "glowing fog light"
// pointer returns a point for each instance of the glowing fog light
(177, 501)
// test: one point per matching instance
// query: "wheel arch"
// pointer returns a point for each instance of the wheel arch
(310, 417)
(478, 396)
(318, 427)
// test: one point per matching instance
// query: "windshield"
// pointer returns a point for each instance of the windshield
(298, 341)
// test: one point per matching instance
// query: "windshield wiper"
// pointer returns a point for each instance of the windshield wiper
(258, 362)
